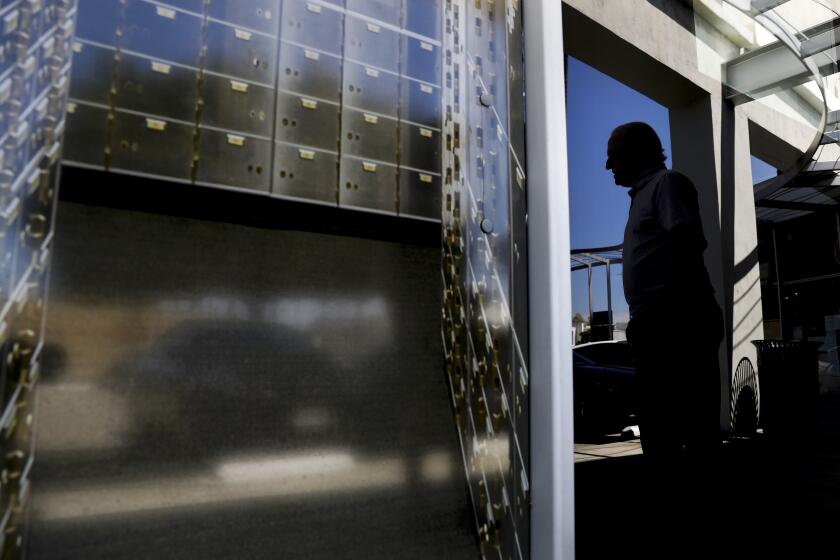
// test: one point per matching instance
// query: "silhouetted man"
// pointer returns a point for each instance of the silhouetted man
(675, 324)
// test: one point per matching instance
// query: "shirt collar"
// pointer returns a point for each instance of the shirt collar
(643, 179)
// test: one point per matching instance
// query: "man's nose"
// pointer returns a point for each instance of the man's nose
(608, 164)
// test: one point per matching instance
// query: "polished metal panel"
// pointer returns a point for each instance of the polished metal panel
(313, 25)
(241, 53)
(156, 87)
(367, 184)
(420, 103)
(31, 19)
(368, 136)
(420, 147)
(86, 134)
(237, 106)
(419, 194)
(225, 158)
(196, 6)
(306, 121)
(162, 32)
(383, 10)
(485, 265)
(10, 23)
(8, 105)
(97, 20)
(305, 173)
(262, 15)
(421, 59)
(370, 89)
(372, 44)
(309, 72)
(152, 145)
(423, 17)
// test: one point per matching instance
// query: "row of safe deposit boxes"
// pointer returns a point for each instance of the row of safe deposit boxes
(330, 101)
(35, 61)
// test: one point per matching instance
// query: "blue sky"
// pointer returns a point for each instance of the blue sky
(597, 104)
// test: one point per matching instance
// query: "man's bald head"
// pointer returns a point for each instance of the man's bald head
(633, 148)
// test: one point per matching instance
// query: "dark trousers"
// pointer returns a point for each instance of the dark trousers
(678, 372)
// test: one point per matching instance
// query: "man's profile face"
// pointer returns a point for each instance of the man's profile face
(618, 160)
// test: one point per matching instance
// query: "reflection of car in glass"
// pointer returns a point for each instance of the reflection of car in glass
(604, 387)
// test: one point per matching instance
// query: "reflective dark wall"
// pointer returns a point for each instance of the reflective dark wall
(217, 390)
(306, 99)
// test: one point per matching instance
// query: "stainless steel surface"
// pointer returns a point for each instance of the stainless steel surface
(419, 194)
(305, 173)
(161, 32)
(306, 121)
(151, 86)
(372, 44)
(370, 89)
(234, 159)
(420, 103)
(421, 59)
(86, 134)
(423, 17)
(367, 184)
(237, 106)
(369, 136)
(262, 15)
(313, 25)
(152, 145)
(215, 390)
(420, 147)
(309, 72)
(485, 322)
(97, 21)
(383, 10)
(241, 53)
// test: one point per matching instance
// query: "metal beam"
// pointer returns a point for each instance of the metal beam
(802, 206)
(777, 67)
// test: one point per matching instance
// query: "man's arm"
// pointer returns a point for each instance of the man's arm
(679, 212)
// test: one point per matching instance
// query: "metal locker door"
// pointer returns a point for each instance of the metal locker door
(162, 32)
(371, 44)
(305, 173)
(17, 146)
(23, 80)
(368, 136)
(47, 65)
(421, 60)
(419, 147)
(367, 184)
(9, 51)
(383, 10)
(370, 89)
(261, 15)
(157, 88)
(32, 20)
(309, 72)
(85, 134)
(423, 17)
(241, 53)
(312, 25)
(153, 146)
(305, 121)
(420, 194)
(237, 105)
(420, 103)
(234, 160)
(98, 20)
(10, 223)
(195, 6)
(6, 105)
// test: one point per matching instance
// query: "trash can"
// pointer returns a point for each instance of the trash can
(788, 384)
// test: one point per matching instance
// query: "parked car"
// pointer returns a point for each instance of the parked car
(604, 388)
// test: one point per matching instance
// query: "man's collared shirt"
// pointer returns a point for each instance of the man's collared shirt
(660, 268)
